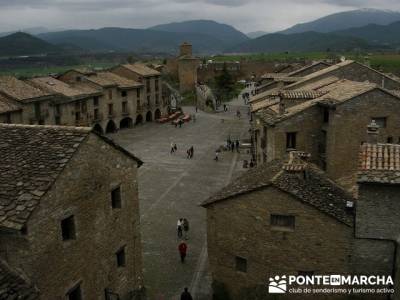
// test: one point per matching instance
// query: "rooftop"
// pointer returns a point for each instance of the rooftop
(32, 158)
(314, 189)
(7, 105)
(305, 68)
(20, 90)
(14, 285)
(379, 163)
(142, 69)
(106, 79)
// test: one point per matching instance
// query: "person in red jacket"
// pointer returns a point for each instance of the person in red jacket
(182, 251)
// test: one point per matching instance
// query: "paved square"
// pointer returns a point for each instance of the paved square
(172, 186)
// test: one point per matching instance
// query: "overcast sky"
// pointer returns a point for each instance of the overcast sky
(245, 15)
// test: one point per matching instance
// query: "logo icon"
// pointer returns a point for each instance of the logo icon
(277, 285)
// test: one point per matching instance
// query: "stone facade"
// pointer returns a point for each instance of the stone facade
(83, 189)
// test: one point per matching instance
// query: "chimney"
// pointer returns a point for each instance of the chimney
(373, 132)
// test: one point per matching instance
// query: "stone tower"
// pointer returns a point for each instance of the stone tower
(185, 49)
(187, 68)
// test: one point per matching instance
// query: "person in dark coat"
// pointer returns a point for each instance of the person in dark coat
(186, 295)
(182, 251)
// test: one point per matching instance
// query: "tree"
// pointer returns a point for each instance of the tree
(224, 86)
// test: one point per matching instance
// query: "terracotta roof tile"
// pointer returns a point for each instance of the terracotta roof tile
(379, 163)
(7, 105)
(142, 69)
(110, 79)
(20, 90)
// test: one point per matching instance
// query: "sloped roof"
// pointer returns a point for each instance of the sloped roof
(7, 105)
(305, 68)
(379, 163)
(110, 79)
(316, 189)
(32, 158)
(56, 86)
(142, 69)
(20, 90)
(14, 285)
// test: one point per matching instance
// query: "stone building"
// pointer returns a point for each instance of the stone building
(24, 103)
(69, 211)
(289, 218)
(326, 119)
(120, 103)
(153, 106)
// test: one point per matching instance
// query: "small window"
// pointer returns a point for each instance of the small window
(283, 222)
(84, 107)
(116, 198)
(95, 101)
(291, 140)
(381, 122)
(138, 93)
(110, 109)
(148, 100)
(326, 115)
(390, 140)
(124, 107)
(75, 293)
(77, 116)
(96, 113)
(24, 230)
(110, 94)
(124, 94)
(241, 264)
(138, 103)
(68, 228)
(121, 257)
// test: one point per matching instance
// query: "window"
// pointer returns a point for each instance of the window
(157, 99)
(116, 198)
(58, 110)
(390, 140)
(95, 101)
(157, 85)
(58, 120)
(326, 115)
(68, 228)
(148, 85)
(110, 94)
(84, 107)
(77, 116)
(96, 114)
(37, 110)
(241, 264)
(124, 94)
(291, 140)
(8, 118)
(110, 109)
(138, 103)
(138, 93)
(148, 100)
(381, 122)
(124, 107)
(79, 78)
(121, 257)
(75, 293)
(283, 222)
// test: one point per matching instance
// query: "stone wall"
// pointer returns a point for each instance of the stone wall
(84, 191)
(187, 74)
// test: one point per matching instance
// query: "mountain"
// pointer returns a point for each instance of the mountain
(32, 31)
(21, 44)
(225, 33)
(256, 34)
(137, 40)
(300, 42)
(345, 20)
(387, 35)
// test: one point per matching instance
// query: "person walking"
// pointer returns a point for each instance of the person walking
(186, 295)
(188, 153)
(175, 147)
(179, 227)
(180, 123)
(191, 152)
(172, 148)
(237, 144)
(182, 251)
(216, 155)
(185, 228)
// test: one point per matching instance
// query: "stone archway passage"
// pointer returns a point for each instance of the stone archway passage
(126, 123)
(157, 114)
(149, 116)
(97, 128)
(139, 120)
(111, 127)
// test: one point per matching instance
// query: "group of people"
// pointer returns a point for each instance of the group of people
(182, 228)
(190, 152)
(174, 148)
(225, 107)
(233, 145)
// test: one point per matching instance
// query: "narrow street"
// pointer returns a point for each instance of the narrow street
(172, 186)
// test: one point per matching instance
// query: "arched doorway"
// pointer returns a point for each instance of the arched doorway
(126, 123)
(97, 128)
(157, 114)
(149, 116)
(139, 120)
(111, 127)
